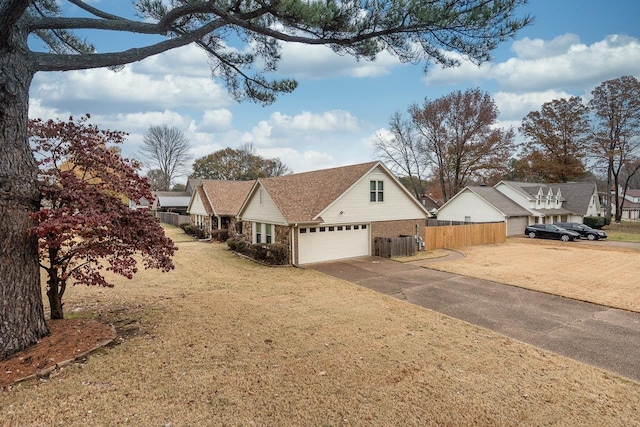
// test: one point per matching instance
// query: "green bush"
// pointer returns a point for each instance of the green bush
(596, 221)
(186, 228)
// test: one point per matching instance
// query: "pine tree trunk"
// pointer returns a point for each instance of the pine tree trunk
(22, 321)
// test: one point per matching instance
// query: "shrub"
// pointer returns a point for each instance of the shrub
(259, 251)
(274, 254)
(186, 228)
(277, 254)
(596, 221)
(199, 232)
(238, 244)
(220, 235)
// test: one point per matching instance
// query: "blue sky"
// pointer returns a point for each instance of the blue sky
(342, 106)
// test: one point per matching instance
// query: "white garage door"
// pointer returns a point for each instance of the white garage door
(516, 225)
(317, 244)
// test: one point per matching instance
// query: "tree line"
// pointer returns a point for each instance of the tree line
(454, 141)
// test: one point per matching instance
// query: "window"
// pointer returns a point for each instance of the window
(467, 219)
(348, 227)
(303, 230)
(364, 226)
(267, 233)
(376, 191)
(312, 230)
(322, 229)
(356, 227)
(258, 232)
(339, 228)
(332, 228)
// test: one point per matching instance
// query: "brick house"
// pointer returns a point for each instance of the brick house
(332, 213)
(214, 204)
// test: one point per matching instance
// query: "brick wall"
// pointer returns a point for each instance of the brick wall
(282, 235)
(405, 227)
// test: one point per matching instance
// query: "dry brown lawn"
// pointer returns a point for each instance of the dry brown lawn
(588, 271)
(225, 341)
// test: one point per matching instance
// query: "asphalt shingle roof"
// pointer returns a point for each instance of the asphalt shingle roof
(499, 201)
(576, 195)
(225, 197)
(302, 197)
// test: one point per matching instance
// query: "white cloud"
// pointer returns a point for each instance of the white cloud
(560, 63)
(318, 62)
(103, 91)
(299, 161)
(514, 106)
(327, 122)
(304, 127)
(216, 120)
(527, 48)
(189, 61)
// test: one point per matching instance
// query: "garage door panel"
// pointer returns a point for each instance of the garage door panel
(516, 225)
(335, 242)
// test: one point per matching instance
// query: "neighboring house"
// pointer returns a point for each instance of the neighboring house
(174, 201)
(331, 214)
(544, 203)
(170, 201)
(214, 204)
(549, 203)
(429, 203)
(630, 205)
(485, 204)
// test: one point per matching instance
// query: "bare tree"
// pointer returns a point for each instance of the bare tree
(459, 135)
(414, 30)
(403, 153)
(616, 106)
(167, 150)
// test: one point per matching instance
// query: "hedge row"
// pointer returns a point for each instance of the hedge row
(199, 233)
(272, 253)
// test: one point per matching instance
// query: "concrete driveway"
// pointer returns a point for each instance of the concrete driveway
(594, 334)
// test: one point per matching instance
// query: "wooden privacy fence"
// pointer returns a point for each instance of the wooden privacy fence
(389, 247)
(459, 236)
(172, 218)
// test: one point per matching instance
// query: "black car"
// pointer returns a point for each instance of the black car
(550, 231)
(584, 230)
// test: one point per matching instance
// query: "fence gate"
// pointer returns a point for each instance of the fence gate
(390, 247)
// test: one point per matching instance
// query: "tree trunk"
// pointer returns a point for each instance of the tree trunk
(55, 299)
(22, 321)
(607, 212)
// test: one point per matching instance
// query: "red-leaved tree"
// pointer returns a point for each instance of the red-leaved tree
(85, 225)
